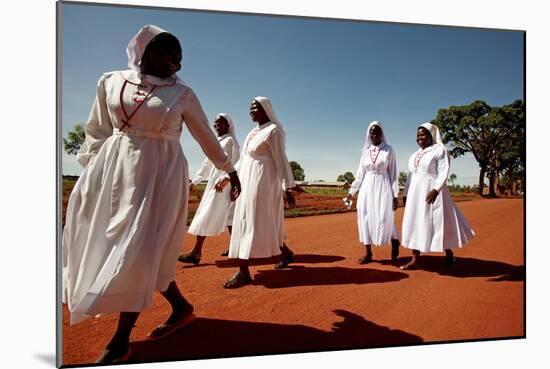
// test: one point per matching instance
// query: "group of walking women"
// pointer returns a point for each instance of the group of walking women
(127, 213)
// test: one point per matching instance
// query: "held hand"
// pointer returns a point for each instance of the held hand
(431, 196)
(221, 185)
(289, 198)
(394, 205)
(235, 185)
(404, 201)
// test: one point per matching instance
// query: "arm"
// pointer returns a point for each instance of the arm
(277, 145)
(203, 172)
(359, 175)
(196, 122)
(392, 173)
(406, 189)
(98, 128)
(443, 169)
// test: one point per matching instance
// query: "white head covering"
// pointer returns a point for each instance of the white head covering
(368, 141)
(266, 105)
(434, 131)
(231, 131)
(137, 45)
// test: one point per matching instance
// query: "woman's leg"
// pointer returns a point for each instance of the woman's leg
(182, 312)
(449, 258)
(413, 264)
(226, 251)
(117, 348)
(287, 256)
(368, 255)
(194, 256)
(240, 278)
(394, 249)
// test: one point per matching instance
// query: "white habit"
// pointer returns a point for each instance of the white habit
(441, 225)
(215, 211)
(264, 171)
(376, 182)
(127, 214)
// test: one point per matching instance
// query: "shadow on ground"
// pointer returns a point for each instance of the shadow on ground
(214, 338)
(467, 268)
(300, 259)
(321, 276)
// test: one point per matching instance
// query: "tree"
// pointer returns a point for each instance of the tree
(402, 178)
(74, 140)
(481, 130)
(452, 178)
(297, 171)
(346, 177)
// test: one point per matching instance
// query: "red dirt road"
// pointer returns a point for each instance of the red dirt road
(328, 301)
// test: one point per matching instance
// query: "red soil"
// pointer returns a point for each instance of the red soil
(327, 301)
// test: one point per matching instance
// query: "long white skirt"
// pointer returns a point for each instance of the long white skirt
(375, 215)
(125, 223)
(258, 223)
(436, 227)
(214, 213)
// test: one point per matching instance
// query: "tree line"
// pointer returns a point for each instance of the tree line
(494, 135)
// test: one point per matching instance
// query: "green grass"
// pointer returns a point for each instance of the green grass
(326, 191)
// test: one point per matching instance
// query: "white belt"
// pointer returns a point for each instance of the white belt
(146, 134)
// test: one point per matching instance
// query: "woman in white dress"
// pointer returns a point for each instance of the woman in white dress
(216, 208)
(376, 182)
(258, 223)
(431, 221)
(127, 213)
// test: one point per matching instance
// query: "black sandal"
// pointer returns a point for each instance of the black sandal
(366, 259)
(190, 258)
(449, 261)
(239, 279)
(411, 265)
(285, 260)
(225, 253)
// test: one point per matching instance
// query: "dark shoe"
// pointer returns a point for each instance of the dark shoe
(225, 253)
(190, 258)
(111, 356)
(165, 329)
(394, 249)
(449, 261)
(366, 259)
(411, 265)
(285, 260)
(239, 279)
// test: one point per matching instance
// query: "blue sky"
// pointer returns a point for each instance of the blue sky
(327, 79)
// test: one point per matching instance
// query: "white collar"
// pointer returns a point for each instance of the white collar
(136, 78)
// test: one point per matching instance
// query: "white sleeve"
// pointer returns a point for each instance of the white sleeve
(443, 168)
(203, 172)
(392, 172)
(359, 175)
(407, 184)
(276, 143)
(197, 123)
(98, 128)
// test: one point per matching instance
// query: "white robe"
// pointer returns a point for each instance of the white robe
(438, 226)
(264, 170)
(127, 213)
(215, 211)
(377, 186)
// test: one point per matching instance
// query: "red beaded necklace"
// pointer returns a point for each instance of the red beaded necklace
(377, 152)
